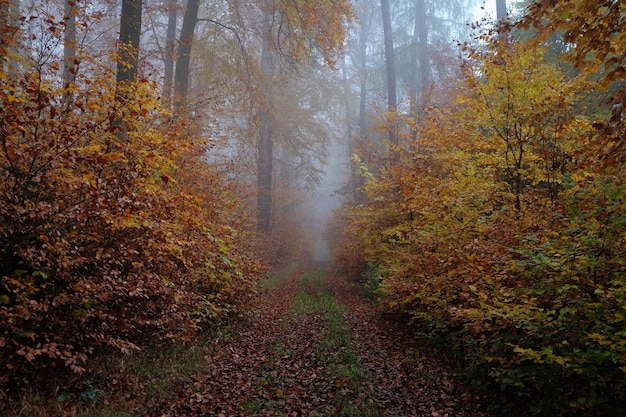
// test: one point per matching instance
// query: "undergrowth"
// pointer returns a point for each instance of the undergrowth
(120, 385)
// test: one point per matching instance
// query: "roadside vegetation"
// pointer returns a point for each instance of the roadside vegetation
(496, 225)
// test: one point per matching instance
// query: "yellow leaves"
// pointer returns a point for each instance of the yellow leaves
(323, 22)
(20, 128)
(528, 353)
(524, 116)
(594, 30)
(12, 99)
(93, 106)
(595, 34)
(600, 339)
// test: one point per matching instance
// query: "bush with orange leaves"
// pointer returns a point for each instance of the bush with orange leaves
(108, 240)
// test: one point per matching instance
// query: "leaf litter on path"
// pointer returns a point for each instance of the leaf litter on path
(274, 366)
(405, 379)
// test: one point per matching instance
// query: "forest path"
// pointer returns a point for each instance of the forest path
(314, 347)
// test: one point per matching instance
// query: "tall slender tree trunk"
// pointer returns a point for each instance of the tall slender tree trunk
(354, 178)
(183, 60)
(501, 9)
(9, 28)
(414, 67)
(347, 101)
(420, 60)
(424, 56)
(5, 31)
(390, 65)
(168, 57)
(265, 144)
(363, 125)
(130, 33)
(69, 50)
(363, 79)
(346, 98)
(128, 58)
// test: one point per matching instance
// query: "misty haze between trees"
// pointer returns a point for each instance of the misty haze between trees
(160, 159)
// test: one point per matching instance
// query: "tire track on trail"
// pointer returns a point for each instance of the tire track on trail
(405, 380)
(314, 347)
(235, 367)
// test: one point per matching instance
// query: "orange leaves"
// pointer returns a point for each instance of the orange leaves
(594, 29)
(105, 242)
(320, 25)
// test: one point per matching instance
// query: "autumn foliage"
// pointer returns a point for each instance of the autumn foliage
(108, 241)
(495, 228)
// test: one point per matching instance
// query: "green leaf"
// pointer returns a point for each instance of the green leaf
(64, 396)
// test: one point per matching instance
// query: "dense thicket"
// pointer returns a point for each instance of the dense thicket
(107, 240)
(499, 227)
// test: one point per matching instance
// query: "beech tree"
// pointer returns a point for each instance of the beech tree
(170, 51)
(109, 239)
(181, 77)
(390, 65)
(499, 231)
(5, 31)
(501, 11)
(420, 54)
(265, 146)
(9, 29)
(128, 45)
(596, 32)
(69, 43)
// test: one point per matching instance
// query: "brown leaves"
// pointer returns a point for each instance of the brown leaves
(105, 243)
(275, 366)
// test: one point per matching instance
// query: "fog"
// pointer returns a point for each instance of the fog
(327, 197)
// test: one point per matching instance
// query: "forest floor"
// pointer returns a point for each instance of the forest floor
(315, 347)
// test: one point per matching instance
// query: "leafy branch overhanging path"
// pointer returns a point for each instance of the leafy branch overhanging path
(315, 347)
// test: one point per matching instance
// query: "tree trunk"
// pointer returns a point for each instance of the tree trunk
(354, 178)
(414, 68)
(265, 145)
(390, 66)
(69, 50)
(362, 78)
(4, 31)
(128, 58)
(181, 78)
(501, 9)
(418, 93)
(346, 98)
(168, 57)
(9, 28)
(424, 58)
(130, 33)
(366, 25)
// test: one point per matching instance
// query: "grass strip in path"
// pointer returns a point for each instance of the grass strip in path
(343, 373)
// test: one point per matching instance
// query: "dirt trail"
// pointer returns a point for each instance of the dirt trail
(406, 381)
(275, 365)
